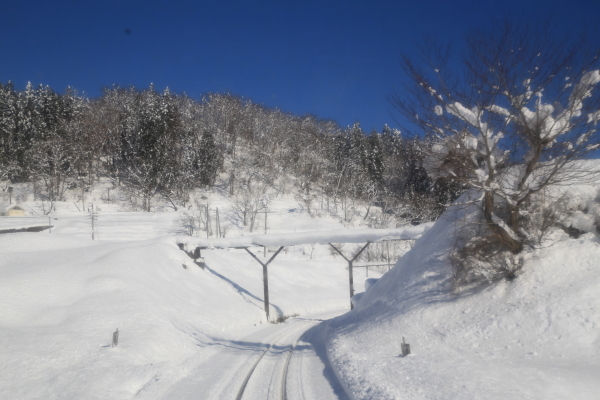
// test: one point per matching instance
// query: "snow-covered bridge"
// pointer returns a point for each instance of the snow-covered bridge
(193, 246)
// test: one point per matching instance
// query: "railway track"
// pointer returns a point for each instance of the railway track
(268, 375)
(284, 361)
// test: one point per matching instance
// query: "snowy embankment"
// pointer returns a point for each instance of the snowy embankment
(536, 337)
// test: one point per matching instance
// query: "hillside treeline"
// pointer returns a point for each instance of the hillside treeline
(152, 144)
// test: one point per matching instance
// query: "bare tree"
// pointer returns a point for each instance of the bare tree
(510, 118)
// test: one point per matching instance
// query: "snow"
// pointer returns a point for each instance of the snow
(187, 331)
(22, 222)
(62, 295)
(535, 337)
(311, 237)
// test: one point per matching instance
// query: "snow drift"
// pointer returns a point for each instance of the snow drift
(535, 337)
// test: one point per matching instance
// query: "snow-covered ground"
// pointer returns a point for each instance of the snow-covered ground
(536, 337)
(62, 295)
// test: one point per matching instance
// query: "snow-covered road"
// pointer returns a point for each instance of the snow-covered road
(284, 361)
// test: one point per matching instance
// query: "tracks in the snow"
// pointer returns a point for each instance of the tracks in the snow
(277, 372)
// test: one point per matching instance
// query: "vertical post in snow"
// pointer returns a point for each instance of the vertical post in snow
(350, 276)
(265, 276)
(265, 247)
(115, 341)
(49, 226)
(351, 282)
(388, 254)
(93, 215)
(266, 289)
(207, 226)
(321, 197)
(218, 224)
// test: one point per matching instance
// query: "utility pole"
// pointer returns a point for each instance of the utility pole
(93, 217)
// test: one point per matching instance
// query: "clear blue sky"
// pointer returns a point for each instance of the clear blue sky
(335, 59)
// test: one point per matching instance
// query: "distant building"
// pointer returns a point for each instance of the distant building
(12, 211)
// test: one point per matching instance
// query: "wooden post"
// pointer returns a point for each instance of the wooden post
(265, 276)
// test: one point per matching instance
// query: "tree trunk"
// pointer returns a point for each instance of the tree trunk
(504, 237)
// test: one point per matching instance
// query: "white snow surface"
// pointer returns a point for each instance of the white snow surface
(62, 295)
(536, 337)
(311, 237)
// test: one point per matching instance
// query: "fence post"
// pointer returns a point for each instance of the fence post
(388, 254)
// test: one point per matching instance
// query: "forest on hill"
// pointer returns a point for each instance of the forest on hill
(152, 145)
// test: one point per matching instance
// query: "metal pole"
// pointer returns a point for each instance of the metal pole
(350, 277)
(351, 281)
(265, 276)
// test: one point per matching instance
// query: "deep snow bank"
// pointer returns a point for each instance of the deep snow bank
(536, 337)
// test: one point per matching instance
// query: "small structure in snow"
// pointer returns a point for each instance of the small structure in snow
(405, 347)
(115, 341)
(13, 210)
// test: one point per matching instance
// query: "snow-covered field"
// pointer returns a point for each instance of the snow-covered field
(62, 295)
(536, 337)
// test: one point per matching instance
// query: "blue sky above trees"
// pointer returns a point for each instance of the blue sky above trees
(336, 59)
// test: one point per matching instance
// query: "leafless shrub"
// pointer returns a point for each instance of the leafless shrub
(483, 260)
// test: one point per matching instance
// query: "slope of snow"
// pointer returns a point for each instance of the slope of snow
(535, 337)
